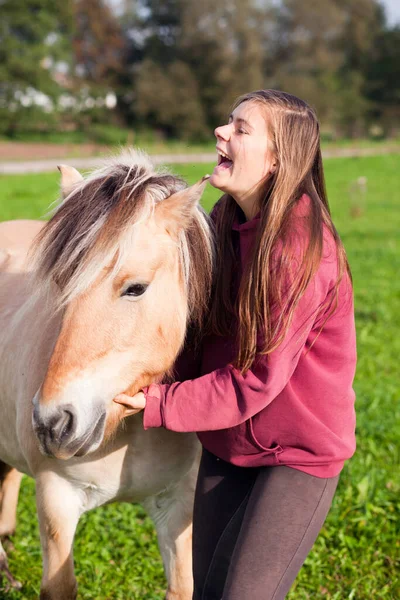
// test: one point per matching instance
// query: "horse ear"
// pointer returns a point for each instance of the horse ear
(69, 178)
(177, 210)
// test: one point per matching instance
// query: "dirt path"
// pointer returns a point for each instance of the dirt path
(20, 151)
(50, 164)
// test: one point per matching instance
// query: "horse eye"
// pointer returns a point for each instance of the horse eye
(135, 290)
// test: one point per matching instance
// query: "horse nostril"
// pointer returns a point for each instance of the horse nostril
(56, 429)
(67, 425)
(62, 426)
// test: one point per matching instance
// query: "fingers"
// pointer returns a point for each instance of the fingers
(132, 404)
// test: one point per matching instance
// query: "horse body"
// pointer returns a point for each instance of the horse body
(89, 456)
(23, 328)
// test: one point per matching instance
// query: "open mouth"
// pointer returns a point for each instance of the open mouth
(224, 161)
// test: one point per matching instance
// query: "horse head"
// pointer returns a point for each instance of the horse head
(127, 260)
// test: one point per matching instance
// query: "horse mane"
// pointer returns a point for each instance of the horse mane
(89, 230)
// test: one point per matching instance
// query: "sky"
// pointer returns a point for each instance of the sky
(392, 10)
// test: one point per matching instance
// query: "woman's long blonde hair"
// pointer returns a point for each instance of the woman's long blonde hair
(265, 301)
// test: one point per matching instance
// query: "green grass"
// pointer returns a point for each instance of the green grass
(357, 553)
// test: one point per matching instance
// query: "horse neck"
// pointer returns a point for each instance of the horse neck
(28, 334)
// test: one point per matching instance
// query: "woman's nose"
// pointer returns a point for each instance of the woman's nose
(223, 132)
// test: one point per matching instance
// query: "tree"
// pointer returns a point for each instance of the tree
(178, 65)
(383, 81)
(325, 51)
(304, 54)
(319, 50)
(221, 41)
(364, 20)
(34, 38)
(98, 43)
(212, 49)
(168, 99)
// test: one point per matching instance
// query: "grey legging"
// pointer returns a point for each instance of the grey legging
(253, 528)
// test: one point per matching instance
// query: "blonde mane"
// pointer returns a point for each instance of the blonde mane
(89, 230)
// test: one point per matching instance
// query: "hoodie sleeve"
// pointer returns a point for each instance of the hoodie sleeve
(225, 398)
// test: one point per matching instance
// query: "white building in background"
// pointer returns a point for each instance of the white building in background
(66, 101)
(78, 101)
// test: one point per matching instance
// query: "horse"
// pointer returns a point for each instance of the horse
(93, 303)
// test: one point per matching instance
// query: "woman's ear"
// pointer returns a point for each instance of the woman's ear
(273, 167)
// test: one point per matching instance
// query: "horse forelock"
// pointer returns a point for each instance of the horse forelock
(88, 231)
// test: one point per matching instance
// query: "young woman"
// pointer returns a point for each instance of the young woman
(272, 400)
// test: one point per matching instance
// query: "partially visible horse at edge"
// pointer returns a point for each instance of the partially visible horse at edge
(118, 273)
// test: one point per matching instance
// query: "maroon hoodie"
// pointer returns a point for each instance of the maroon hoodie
(294, 407)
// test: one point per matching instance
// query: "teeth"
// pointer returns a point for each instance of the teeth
(224, 155)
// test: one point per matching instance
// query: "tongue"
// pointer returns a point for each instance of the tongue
(225, 163)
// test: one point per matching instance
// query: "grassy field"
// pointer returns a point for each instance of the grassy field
(357, 555)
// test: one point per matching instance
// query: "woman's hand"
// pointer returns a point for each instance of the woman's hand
(132, 404)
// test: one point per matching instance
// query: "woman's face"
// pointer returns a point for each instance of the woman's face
(245, 160)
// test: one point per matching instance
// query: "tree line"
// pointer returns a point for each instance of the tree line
(175, 66)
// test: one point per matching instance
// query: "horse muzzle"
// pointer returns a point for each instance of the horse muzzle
(60, 435)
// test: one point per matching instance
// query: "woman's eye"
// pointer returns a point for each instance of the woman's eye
(240, 130)
(135, 290)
